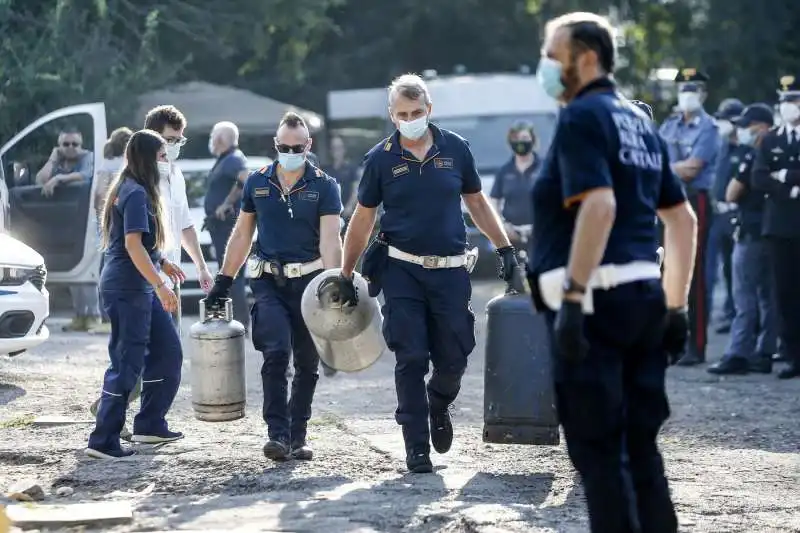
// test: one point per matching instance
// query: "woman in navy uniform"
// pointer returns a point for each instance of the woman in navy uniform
(776, 171)
(594, 274)
(296, 208)
(143, 339)
(420, 175)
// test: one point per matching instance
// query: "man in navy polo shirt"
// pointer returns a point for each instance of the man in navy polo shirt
(421, 174)
(296, 208)
(223, 196)
(593, 272)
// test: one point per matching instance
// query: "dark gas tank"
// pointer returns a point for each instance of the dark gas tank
(518, 398)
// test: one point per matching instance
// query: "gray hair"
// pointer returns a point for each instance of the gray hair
(409, 86)
(228, 129)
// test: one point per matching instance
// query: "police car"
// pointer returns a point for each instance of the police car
(195, 172)
(24, 300)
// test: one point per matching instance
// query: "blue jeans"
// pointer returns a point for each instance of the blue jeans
(754, 328)
(720, 251)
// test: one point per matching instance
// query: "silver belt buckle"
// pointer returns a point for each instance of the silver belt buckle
(430, 261)
(471, 259)
(293, 271)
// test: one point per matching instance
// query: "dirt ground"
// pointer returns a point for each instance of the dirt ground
(732, 449)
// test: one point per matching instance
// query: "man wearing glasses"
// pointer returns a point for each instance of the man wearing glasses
(68, 164)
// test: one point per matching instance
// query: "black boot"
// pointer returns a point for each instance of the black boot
(418, 460)
(691, 358)
(792, 371)
(441, 429)
(730, 366)
(761, 364)
(277, 450)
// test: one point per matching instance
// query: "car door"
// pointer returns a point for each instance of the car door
(61, 227)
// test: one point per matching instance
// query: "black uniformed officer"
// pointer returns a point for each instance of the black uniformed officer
(777, 172)
(692, 141)
(753, 337)
(594, 274)
(421, 174)
(512, 184)
(295, 207)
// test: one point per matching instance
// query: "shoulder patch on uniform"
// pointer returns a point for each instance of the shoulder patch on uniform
(399, 170)
(387, 146)
(318, 172)
(261, 192)
(443, 162)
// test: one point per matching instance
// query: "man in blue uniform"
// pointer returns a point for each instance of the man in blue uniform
(512, 184)
(754, 330)
(692, 141)
(296, 208)
(594, 274)
(776, 171)
(720, 235)
(421, 174)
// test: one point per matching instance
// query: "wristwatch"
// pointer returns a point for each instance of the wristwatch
(571, 286)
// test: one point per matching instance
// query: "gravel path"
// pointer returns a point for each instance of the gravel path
(732, 449)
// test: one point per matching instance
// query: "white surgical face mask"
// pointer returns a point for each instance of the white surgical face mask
(173, 152)
(164, 168)
(744, 136)
(413, 129)
(790, 112)
(689, 102)
(291, 162)
(724, 128)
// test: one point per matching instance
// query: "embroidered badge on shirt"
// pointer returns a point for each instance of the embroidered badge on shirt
(261, 192)
(310, 196)
(443, 162)
(399, 170)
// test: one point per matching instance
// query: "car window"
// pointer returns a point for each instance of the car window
(195, 187)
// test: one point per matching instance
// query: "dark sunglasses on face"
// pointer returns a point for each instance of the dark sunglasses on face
(290, 148)
(68, 144)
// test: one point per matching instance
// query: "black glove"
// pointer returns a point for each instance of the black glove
(568, 328)
(507, 259)
(220, 291)
(676, 331)
(347, 293)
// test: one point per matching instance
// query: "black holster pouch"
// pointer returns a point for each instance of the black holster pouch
(375, 259)
(276, 269)
(536, 293)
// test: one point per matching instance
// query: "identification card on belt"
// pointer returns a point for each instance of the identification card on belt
(255, 266)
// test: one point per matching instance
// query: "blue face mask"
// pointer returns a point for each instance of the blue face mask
(549, 77)
(744, 136)
(291, 162)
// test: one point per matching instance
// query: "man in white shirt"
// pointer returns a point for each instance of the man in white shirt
(170, 123)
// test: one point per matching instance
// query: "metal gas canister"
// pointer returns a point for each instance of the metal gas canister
(218, 376)
(519, 396)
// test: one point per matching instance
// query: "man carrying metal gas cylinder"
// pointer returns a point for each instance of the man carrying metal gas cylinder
(593, 273)
(420, 174)
(296, 208)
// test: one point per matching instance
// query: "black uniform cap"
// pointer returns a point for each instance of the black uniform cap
(688, 75)
(729, 108)
(644, 106)
(789, 87)
(754, 113)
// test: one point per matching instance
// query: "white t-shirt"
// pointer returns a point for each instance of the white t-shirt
(176, 210)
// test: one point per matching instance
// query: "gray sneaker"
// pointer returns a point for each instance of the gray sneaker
(302, 452)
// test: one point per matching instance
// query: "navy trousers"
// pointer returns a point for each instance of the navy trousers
(426, 319)
(278, 332)
(612, 406)
(143, 343)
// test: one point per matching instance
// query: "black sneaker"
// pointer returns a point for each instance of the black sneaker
(277, 450)
(109, 454)
(730, 366)
(761, 364)
(419, 462)
(302, 452)
(441, 430)
(690, 359)
(166, 436)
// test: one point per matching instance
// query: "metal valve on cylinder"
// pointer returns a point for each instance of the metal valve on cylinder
(218, 377)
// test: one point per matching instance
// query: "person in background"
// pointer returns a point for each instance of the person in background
(720, 238)
(692, 141)
(70, 164)
(113, 160)
(754, 331)
(345, 173)
(222, 203)
(511, 189)
(776, 171)
(144, 343)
